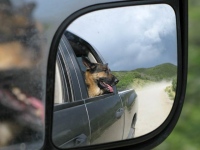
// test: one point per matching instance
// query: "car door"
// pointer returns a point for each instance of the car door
(106, 113)
(69, 129)
(106, 118)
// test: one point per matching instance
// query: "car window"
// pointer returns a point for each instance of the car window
(62, 91)
(83, 49)
(58, 93)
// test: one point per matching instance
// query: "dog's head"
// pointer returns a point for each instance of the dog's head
(101, 75)
(20, 76)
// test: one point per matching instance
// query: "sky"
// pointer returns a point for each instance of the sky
(131, 37)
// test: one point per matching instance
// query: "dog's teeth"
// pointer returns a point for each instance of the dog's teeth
(38, 113)
(21, 97)
(27, 102)
(16, 91)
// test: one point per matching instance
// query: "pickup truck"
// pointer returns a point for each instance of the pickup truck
(79, 120)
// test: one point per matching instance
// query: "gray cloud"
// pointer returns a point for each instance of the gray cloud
(131, 37)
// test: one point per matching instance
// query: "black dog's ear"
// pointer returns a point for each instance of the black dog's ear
(89, 65)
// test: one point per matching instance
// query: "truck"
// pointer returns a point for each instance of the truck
(79, 120)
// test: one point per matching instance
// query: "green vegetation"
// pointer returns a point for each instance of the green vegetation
(186, 134)
(160, 72)
(170, 92)
(143, 76)
(174, 81)
(171, 89)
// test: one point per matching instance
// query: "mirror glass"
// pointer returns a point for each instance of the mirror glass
(116, 73)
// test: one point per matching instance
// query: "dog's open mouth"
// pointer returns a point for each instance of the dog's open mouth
(106, 87)
(22, 108)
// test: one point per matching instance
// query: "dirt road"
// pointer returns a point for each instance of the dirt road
(154, 106)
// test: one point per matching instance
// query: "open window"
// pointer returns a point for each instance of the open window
(82, 49)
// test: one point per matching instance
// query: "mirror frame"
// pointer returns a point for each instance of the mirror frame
(154, 138)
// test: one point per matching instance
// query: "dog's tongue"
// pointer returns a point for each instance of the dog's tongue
(38, 105)
(109, 88)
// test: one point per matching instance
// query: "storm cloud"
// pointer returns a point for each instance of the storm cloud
(131, 37)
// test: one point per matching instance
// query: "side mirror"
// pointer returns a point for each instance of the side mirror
(143, 57)
(131, 95)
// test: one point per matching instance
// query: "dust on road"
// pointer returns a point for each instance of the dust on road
(154, 106)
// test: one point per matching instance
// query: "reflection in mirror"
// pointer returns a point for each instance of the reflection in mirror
(116, 75)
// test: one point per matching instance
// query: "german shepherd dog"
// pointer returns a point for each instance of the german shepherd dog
(98, 78)
(21, 109)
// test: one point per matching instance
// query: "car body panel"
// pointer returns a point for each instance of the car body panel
(130, 103)
(69, 127)
(106, 118)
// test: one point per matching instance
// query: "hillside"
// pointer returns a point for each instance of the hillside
(142, 76)
(163, 71)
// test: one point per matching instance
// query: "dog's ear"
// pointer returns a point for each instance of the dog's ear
(89, 65)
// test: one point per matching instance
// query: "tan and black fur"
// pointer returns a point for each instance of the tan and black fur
(98, 78)
(21, 110)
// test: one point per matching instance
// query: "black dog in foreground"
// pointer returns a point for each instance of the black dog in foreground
(98, 78)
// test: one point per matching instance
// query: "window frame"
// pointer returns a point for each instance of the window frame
(67, 87)
(58, 84)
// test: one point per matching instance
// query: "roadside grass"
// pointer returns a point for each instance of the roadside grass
(170, 92)
(135, 83)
